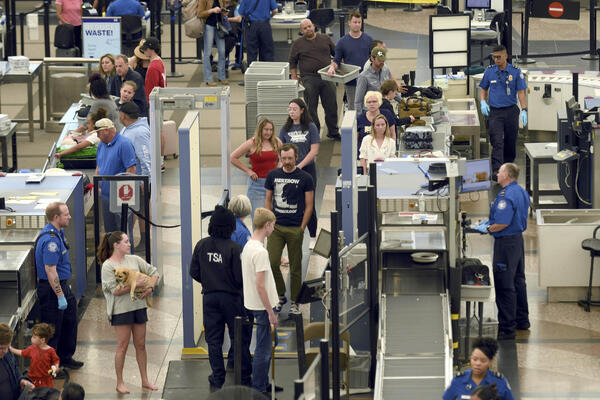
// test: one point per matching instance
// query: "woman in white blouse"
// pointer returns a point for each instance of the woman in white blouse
(379, 145)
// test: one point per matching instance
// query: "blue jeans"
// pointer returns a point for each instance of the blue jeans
(262, 351)
(257, 193)
(112, 221)
(210, 36)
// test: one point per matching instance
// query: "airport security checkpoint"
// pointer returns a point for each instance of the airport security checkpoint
(170, 234)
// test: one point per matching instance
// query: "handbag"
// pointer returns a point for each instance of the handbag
(194, 28)
(222, 29)
(416, 106)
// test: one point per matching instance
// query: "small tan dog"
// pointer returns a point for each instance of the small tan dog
(128, 277)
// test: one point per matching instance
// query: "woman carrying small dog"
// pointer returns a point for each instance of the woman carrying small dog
(126, 315)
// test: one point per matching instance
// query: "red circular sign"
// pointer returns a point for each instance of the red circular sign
(556, 9)
(125, 192)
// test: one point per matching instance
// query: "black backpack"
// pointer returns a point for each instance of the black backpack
(64, 36)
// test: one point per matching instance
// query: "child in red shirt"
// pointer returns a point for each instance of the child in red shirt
(44, 361)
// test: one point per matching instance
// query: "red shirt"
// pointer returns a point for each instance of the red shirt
(264, 163)
(41, 362)
(155, 76)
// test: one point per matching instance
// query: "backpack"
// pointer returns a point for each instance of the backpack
(64, 36)
(193, 26)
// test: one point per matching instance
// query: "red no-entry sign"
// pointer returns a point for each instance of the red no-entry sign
(556, 9)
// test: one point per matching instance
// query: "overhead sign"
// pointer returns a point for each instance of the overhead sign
(553, 9)
(101, 36)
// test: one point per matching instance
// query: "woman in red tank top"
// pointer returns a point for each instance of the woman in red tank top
(263, 151)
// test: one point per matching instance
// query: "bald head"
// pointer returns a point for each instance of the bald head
(307, 28)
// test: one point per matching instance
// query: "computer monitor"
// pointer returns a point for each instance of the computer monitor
(323, 244)
(478, 4)
(477, 176)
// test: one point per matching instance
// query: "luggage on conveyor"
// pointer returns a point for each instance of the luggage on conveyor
(171, 139)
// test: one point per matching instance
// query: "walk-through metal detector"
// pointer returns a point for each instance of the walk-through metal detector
(195, 100)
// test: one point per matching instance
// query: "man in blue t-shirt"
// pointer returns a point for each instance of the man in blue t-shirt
(501, 85)
(58, 305)
(115, 155)
(119, 8)
(354, 49)
(290, 195)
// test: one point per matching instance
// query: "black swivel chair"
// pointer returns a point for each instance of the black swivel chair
(322, 18)
(131, 33)
(593, 246)
(493, 37)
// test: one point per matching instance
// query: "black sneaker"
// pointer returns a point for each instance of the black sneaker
(277, 388)
(61, 374)
(523, 327)
(71, 364)
(334, 136)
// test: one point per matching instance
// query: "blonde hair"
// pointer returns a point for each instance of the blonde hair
(6, 334)
(53, 210)
(240, 206)
(387, 127)
(258, 140)
(101, 70)
(262, 216)
(373, 93)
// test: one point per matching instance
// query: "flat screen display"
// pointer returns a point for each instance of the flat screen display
(477, 176)
(479, 4)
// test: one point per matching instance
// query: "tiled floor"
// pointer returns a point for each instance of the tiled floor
(559, 358)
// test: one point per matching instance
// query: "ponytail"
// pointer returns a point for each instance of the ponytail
(107, 245)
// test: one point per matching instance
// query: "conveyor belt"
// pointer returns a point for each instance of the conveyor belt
(414, 353)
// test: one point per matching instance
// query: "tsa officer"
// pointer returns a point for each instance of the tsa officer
(501, 85)
(465, 382)
(508, 220)
(58, 305)
(217, 265)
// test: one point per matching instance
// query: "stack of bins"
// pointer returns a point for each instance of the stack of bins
(257, 72)
(274, 98)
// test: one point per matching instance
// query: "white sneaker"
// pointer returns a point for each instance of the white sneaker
(294, 309)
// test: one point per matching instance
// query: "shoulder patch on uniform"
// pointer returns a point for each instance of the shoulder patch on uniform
(501, 204)
(459, 373)
(52, 247)
(522, 77)
(498, 374)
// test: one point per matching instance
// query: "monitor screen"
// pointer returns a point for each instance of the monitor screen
(487, 4)
(477, 176)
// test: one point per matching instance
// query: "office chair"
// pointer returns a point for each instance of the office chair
(300, 7)
(441, 10)
(131, 33)
(490, 37)
(593, 246)
(322, 18)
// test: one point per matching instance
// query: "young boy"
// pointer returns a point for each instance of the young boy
(44, 361)
(260, 295)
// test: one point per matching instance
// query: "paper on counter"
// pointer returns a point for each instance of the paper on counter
(48, 200)
(44, 194)
(40, 206)
(19, 202)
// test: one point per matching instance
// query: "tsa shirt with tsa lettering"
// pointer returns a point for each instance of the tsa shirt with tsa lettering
(503, 85)
(51, 249)
(462, 385)
(217, 265)
(510, 208)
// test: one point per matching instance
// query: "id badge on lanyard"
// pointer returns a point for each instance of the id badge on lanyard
(507, 82)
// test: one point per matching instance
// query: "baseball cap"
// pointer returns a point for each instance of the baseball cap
(103, 123)
(151, 43)
(130, 109)
(378, 53)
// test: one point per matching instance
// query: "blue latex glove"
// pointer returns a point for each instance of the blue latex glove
(485, 108)
(482, 226)
(62, 303)
(523, 117)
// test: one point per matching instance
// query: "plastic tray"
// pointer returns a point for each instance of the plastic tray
(344, 74)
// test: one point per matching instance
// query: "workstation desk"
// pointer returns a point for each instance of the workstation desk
(35, 69)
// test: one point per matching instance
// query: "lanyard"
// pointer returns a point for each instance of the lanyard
(506, 81)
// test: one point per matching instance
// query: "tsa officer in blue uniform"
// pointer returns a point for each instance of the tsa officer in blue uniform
(465, 382)
(508, 220)
(58, 305)
(501, 85)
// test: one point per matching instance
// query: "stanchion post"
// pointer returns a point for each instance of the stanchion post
(525, 36)
(298, 388)
(96, 181)
(47, 31)
(22, 31)
(173, 73)
(592, 55)
(372, 283)
(237, 350)
(124, 212)
(147, 219)
(179, 21)
(324, 349)
(335, 308)
(342, 20)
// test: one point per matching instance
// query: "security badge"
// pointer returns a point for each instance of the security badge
(510, 78)
(52, 247)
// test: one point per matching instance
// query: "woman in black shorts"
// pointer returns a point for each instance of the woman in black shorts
(126, 315)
